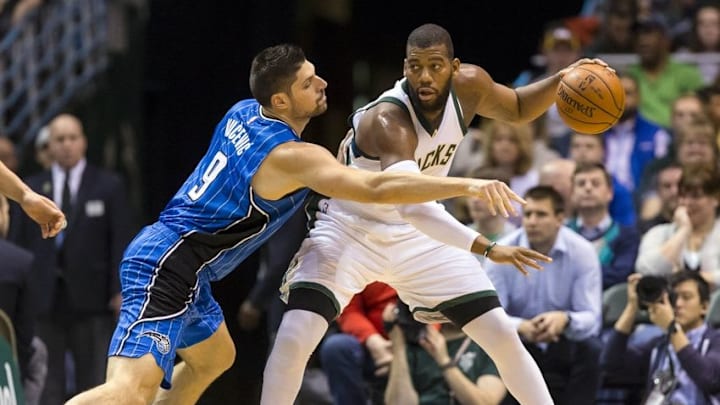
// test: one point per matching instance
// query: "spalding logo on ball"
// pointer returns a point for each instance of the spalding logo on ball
(590, 99)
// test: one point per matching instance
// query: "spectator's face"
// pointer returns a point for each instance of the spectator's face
(478, 209)
(590, 190)
(540, 222)
(632, 98)
(701, 207)
(308, 93)
(667, 187)
(713, 108)
(429, 72)
(689, 308)
(708, 28)
(695, 148)
(619, 29)
(587, 148)
(67, 141)
(560, 56)
(505, 147)
(652, 47)
(684, 110)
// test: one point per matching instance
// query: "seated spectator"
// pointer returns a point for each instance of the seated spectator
(666, 191)
(558, 175)
(357, 360)
(510, 147)
(438, 367)
(559, 48)
(695, 146)
(469, 153)
(493, 227)
(556, 311)
(634, 141)
(704, 37)
(616, 31)
(616, 245)
(590, 149)
(692, 240)
(682, 366)
(660, 79)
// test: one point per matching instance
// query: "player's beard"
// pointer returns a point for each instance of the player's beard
(432, 106)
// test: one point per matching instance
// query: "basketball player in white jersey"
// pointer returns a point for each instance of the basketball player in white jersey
(419, 249)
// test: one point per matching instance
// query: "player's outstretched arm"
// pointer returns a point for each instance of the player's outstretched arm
(496, 101)
(39, 208)
(294, 165)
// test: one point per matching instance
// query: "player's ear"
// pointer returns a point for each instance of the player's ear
(455, 65)
(405, 67)
(280, 101)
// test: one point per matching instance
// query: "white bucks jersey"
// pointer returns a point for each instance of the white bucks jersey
(434, 153)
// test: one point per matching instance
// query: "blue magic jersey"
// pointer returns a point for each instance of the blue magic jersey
(216, 211)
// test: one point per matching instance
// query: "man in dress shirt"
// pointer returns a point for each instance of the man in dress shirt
(616, 244)
(76, 277)
(556, 311)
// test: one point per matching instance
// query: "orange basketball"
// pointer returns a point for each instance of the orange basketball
(590, 99)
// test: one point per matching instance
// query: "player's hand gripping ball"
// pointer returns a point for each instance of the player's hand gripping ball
(590, 98)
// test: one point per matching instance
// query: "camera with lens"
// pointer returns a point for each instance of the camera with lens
(650, 290)
(412, 329)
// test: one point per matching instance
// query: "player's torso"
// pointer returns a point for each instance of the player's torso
(434, 152)
(216, 208)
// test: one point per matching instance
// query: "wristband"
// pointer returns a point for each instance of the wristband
(489, 248)
(450, 364)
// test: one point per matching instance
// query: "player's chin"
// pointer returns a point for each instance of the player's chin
(321, 108)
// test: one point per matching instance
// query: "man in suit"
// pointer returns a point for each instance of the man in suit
(77, 276)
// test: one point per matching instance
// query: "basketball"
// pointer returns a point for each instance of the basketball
(590, 99)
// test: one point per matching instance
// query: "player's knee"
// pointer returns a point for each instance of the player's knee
(216, 361)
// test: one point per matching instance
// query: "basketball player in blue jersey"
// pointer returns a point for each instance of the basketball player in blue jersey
(418, 249)
(254, 175)
(41, 209)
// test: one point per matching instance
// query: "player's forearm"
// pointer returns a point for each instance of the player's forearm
(535, 98)
(11, 186)
(407, 188)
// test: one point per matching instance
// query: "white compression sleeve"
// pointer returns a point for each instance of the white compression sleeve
(431, 218)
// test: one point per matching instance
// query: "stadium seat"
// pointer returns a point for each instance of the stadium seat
(614, 300)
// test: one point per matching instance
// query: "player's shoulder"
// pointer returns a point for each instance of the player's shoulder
(471, 81)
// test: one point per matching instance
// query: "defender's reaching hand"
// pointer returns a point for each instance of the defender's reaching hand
(519, 257)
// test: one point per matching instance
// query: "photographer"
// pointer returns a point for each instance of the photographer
(683, 365)
(437, 367)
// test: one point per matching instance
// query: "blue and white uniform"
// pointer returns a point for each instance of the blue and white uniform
(210, 226)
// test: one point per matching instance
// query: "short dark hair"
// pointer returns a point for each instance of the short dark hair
(428, 35)
(547, 193)
(700, 178)
(688, 275)
(591, 167)
(274, 70)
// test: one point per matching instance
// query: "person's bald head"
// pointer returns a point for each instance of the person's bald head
(67, 140)
(558, 175)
